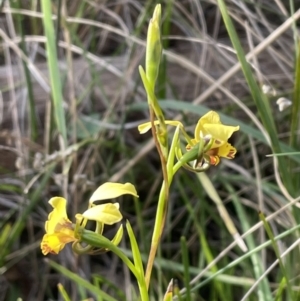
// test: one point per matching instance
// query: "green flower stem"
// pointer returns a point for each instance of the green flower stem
(162, 207)
(153, 57)
(80, 250)
(172, 153)
(186, 136)
(100, 241)
(152, 100)
(153, 103)
(187, 157)
(160, 134)
(160, 218)
(163, 154)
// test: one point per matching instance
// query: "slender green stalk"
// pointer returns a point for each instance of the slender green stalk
(100, 241)
(54, 70)
(138, 263)
(280, 291)
(259, 98)
(80, 281)
(219, 288)
(63, 292)
(32, 114)
(160, 217)
(296, 103)
(153, 105)
(160, 135)
(264, 291)
(295, 115)
(185, 260)
(275, 247)
(162, 208)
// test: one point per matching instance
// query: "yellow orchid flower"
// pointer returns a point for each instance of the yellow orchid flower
(209, 127)
(214, 135)
(60, 230)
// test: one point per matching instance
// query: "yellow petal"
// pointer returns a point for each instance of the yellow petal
(210, 117)
(57, 215)
(54, 243)
(220, 132)
(106, 213)
(112, 190)
(145, 127)
(227, 151)
(210, 124)
(51, 244)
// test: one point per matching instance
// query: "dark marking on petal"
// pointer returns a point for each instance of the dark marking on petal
(213, 151)
(231, 154)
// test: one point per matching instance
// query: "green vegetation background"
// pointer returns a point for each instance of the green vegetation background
(70, 102)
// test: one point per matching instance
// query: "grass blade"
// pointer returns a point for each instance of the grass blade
(54, 70)
(259, 98)
(185, 261)
(32, 114)
(277, 252)
(80, 281)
